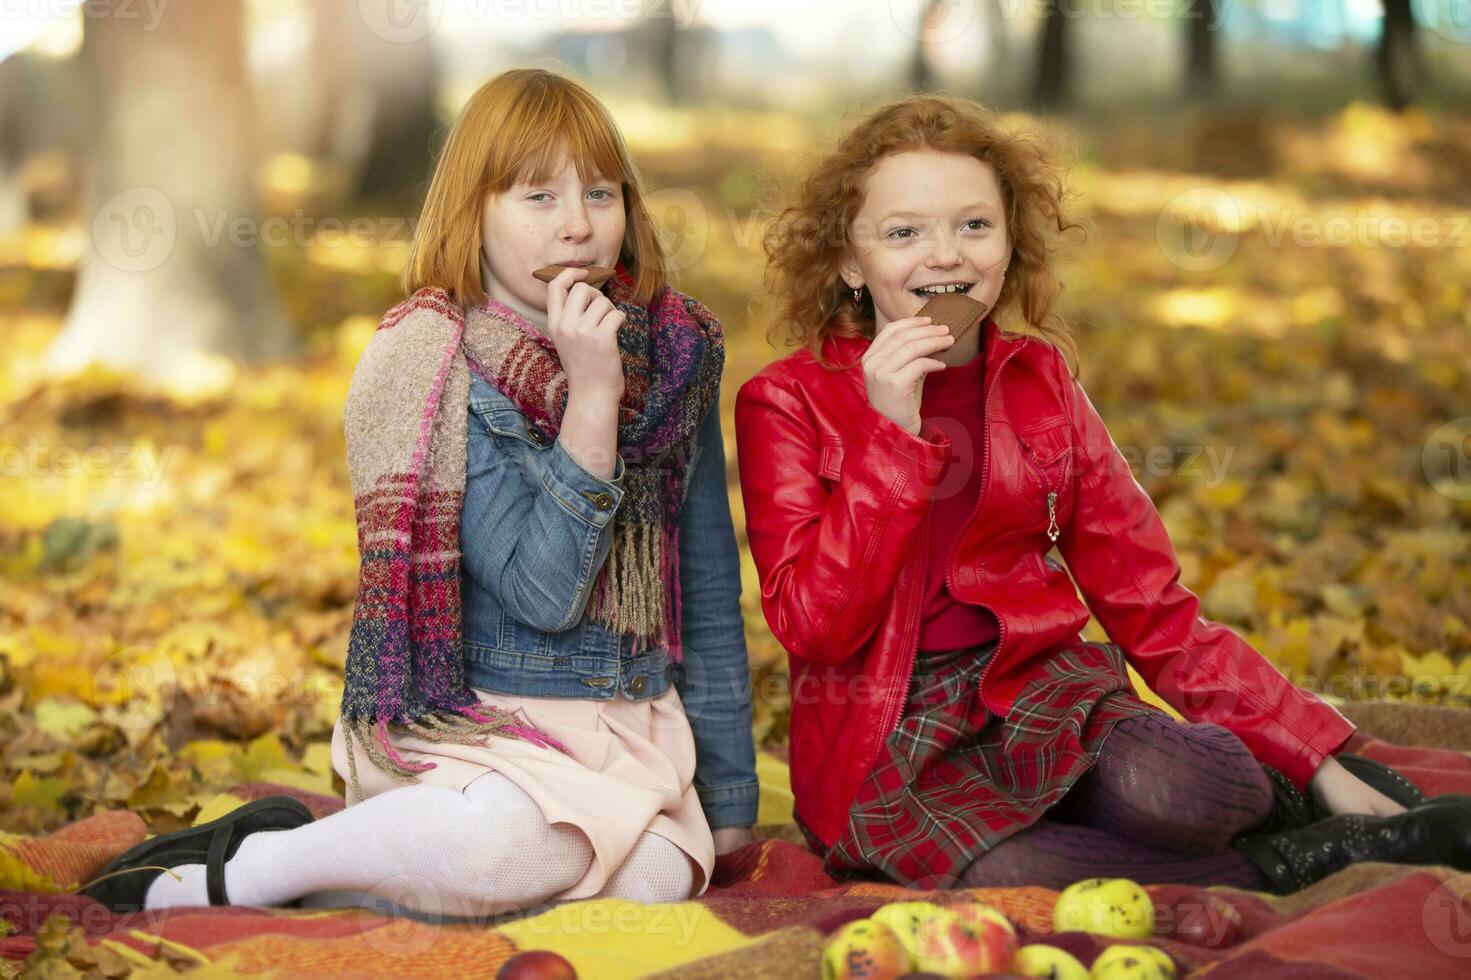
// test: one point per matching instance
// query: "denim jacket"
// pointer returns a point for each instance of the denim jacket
(535, 529)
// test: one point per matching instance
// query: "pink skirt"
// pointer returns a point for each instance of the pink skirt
(631, 770)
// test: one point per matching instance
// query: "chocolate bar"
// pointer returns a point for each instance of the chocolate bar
(956, 310)
(596, 274)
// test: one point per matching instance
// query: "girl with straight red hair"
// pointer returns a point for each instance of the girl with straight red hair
(546, 694)
(904, 485)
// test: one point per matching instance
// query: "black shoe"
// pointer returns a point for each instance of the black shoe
(1437, 832)
(210, 844)
(1293, 808)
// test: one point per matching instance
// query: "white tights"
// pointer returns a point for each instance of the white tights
(430, 852)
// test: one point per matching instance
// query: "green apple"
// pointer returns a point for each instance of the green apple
(1133, 963)
(1115, 907)
(1041, 960)
(864, 950)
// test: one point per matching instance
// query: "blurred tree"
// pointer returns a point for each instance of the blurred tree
(15, 205)
(921, 75)
(1202, 68)
(666, 56)
(1400, 66)
(171, 206)
(1053, 86)
(378, 103)
(998, 62)
(42, 134)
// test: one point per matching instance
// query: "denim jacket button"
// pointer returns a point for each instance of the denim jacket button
(637, 685)
(535, 434)
(601, 500)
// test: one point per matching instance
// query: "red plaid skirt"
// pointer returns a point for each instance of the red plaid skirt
(953, 780)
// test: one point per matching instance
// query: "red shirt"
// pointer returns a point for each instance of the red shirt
(952, 401)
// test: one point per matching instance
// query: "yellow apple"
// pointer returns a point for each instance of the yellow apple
(864, 950)
(1041, 960)
(1113, 907)
(906, 918)
(1133, 963)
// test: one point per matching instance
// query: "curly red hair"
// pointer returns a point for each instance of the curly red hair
(806, 243)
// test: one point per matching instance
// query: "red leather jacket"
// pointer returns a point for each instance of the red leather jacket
(837, 501)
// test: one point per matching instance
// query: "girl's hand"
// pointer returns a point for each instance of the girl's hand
(1340, 791)
(583, 325)
(896, 362)
(728, 839)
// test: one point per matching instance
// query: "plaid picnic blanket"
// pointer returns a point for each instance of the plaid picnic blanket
(766, 914)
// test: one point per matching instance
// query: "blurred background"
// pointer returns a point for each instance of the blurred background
(205, 206)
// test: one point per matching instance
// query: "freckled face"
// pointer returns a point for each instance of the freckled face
(562, 221)
(928, 218)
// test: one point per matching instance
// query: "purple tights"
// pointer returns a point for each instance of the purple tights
(1160, 805)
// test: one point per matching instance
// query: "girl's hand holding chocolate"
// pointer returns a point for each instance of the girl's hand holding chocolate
(896, 362)
(583, 325)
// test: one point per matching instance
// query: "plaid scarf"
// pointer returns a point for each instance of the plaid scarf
(406, 424)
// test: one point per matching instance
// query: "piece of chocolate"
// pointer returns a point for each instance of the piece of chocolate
(956, 310)
(596, 274)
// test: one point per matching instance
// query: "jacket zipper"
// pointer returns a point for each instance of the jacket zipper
(921, 555)
(980, 496)
(1052, 529)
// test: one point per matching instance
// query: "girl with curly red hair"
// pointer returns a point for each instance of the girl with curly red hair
(904, 484)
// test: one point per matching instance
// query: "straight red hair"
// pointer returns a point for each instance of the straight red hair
(522, 125)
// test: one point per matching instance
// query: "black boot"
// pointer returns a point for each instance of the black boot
(1436, 832)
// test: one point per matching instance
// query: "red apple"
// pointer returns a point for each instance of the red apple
(959, 946)
(536, 964)
(997, 944)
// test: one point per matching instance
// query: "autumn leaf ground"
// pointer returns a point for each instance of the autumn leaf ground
(177, 566)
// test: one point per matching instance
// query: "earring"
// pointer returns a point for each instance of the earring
(858, 296)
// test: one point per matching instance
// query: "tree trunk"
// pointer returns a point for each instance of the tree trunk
(1053, 88)
(15, 206)
(379, 119)
(669, 65)
(921, 76)
(1202, 72)
(999, 60)
(1398, 56)
(172, 266)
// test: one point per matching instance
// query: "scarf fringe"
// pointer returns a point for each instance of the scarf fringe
(630, 594)
(467, 725)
